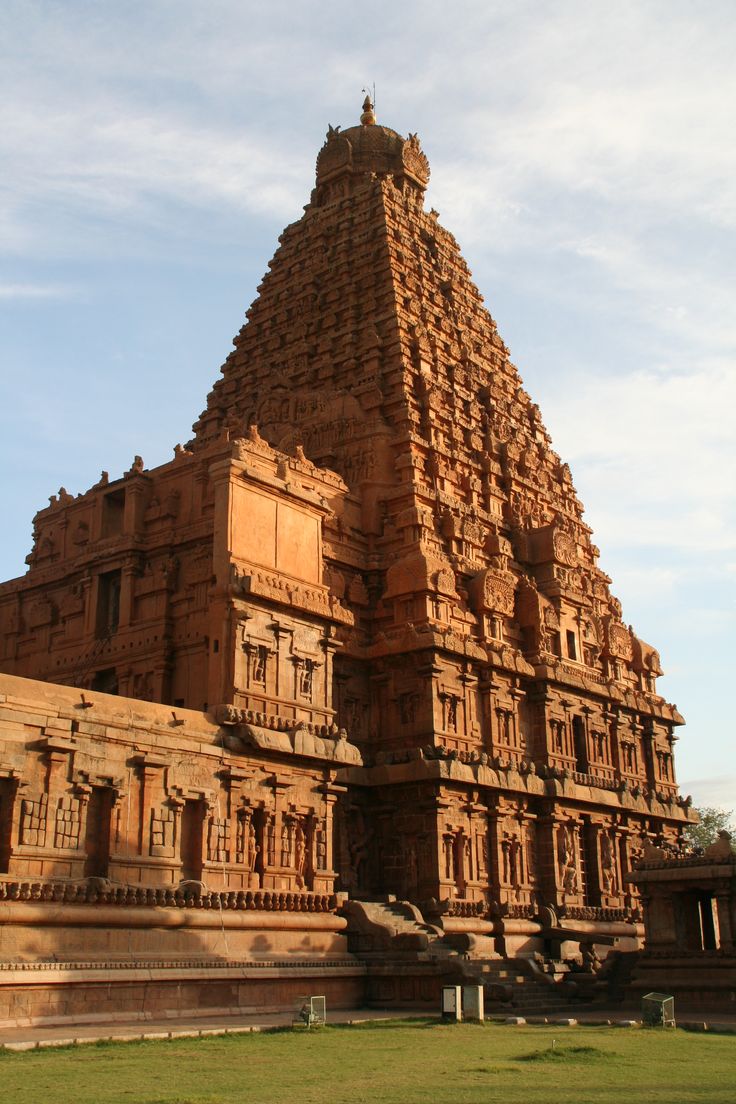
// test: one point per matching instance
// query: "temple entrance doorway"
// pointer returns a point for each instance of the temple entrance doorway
(7, 797)
(192, 838)
(697, 922)
(97, 836)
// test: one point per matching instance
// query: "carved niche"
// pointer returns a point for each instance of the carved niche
(619, 641)
(564, 548)
(494, 592)
(415, 161)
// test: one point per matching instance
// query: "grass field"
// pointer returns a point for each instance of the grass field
(407, 1062)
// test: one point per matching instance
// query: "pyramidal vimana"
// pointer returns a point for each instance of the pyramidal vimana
(338, 699)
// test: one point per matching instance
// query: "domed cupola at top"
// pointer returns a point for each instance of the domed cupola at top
(369, 148)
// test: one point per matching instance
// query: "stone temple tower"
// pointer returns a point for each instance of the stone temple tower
(370, 539)
(518, 748)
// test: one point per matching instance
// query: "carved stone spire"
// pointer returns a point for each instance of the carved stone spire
(368, 118)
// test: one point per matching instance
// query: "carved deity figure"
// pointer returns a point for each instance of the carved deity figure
(515, 862)
(286, 842)
(447, 853)
(360, 837)
(468, 855)
(506, 862)
(567, 859)
(608, 864)
(482, 856)
(570, 880)
(300, 854)
(252, 847)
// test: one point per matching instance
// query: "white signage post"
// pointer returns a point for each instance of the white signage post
(473, 1003)
(452, 1009)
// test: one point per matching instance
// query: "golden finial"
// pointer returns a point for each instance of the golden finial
(368, 118)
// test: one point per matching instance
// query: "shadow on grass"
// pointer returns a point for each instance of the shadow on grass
(564, 1054)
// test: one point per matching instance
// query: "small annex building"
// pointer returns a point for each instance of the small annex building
(342, 684)
(689, 905)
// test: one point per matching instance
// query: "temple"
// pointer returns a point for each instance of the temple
(342, 684)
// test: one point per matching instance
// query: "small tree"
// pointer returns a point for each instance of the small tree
(712, 821)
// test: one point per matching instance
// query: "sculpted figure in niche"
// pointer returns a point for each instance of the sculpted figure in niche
(411, 867)
(528, 857)
(406, 708)
(286, 834)
(360, 838)
(567, 859)
(570, 880)
(515, 857)
(505, 852)
(448, 854)
(591, 643)
(608, 864)
(482, 856)
(300, 854)
(468, 853)
(260, 655)
(252, 848)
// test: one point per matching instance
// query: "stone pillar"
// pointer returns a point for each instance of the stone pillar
(487, 688)
(548, 881)
(324, 880)
(149, 775)
(119, 808)
(722, 902)
(135, 489)
(8, 817)
(330, 645)
(516, 696)
(281, 636)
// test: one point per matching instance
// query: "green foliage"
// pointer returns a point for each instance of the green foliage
(399, 1063)
(712, 821)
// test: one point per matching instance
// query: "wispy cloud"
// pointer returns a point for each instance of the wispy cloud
(720, 791)
(657, 453)
(581, 153)
(36, 291)
(133, 166)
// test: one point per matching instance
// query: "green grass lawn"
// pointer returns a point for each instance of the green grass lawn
(412, 1062)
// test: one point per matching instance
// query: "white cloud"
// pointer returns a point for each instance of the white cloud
(582, 154)
(649, 581)
(720, 791)
(656, 452)
(104, 163)
(36, 291)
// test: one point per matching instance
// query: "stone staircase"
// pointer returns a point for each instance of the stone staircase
(398, 928)
(388, 930)
(520, 986)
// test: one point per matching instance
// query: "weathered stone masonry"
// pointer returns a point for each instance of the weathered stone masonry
(367, 612)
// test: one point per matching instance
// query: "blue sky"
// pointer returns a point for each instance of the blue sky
(582, 154)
